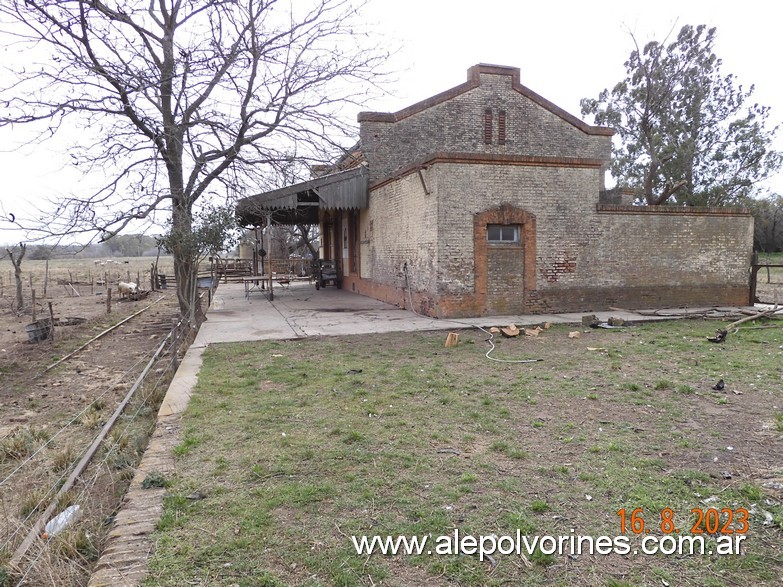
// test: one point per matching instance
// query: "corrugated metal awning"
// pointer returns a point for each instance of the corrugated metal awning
(299, 203)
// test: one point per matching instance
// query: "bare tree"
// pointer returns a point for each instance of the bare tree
(181, 100)
(17, 263)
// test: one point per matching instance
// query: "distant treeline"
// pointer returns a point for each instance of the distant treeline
(125, 245)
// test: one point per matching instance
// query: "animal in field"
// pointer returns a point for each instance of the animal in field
(127, 289)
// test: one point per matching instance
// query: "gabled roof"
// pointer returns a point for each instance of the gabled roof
(299, 203)
(474, 80)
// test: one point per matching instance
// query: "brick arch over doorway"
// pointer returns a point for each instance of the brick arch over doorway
(505, 274)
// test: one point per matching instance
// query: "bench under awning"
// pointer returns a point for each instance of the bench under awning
(300, 203)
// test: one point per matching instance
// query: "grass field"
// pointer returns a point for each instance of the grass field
(290, 448)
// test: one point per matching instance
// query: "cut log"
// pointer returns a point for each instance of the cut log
(575, 334)
(494, 330)
(510, 331)
(452, 339)
(533, 332)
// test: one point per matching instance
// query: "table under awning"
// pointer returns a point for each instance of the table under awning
(301, 202)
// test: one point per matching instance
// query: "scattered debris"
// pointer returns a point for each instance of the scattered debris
(597, 348)
(616, 321)
(590, 320)
(533, 332)
(720, 336)
(510, 331)
(719, 385)
(494, 330)
(452, 339)
(547, 325)
(60, 522)
(762, 314)
(449, 450)
(575, 334)
(352, 371)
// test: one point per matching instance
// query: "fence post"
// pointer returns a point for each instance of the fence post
(33, 304)
(108, 301)
(175, 344)
(51, 317)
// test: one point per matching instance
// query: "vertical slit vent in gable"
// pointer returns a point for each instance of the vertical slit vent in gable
(488, 126)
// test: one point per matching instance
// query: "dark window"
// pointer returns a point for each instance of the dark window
(503, 233)
(488, 126)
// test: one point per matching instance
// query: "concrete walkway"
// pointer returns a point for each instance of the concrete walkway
(296, 312)
(301, 311)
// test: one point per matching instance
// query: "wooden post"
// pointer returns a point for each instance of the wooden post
(51, 317)
(138, 279)
(108, 301)
(46, 277)
(92, 284)
(152, 277)
(175, 344)
(269, 253)
(128, 276)
(30, 275)
(33, 305)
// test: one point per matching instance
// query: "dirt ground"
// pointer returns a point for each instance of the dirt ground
(48, 418)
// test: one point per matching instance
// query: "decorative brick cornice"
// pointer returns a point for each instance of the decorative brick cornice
(489, 159)
(681, 210)
(474, 80)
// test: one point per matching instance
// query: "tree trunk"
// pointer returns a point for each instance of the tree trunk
(185, 265)
(18, 276)
(17, 263)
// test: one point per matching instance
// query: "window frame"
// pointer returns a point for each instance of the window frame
(503, 228)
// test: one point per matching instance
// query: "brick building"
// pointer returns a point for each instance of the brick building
(489, 199)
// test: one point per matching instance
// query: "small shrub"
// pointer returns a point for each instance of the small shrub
(62, 460)
(22, 443)
(662, 384)
(154, 479)
(34, 500)
(92, 418)
(539, 506)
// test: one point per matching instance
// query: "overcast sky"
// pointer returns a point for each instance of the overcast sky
(565, 50)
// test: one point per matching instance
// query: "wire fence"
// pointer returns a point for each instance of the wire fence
(69, 556)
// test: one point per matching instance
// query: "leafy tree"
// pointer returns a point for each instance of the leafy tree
(178, 102)
(687, 133)
(213, 229)
(768, 223)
